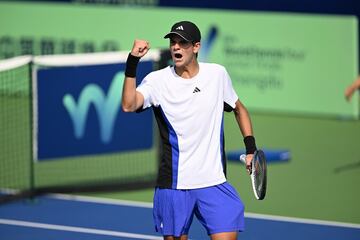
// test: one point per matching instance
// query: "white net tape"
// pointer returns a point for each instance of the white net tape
(74, 59)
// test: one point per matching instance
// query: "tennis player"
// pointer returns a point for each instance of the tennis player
(188, 100)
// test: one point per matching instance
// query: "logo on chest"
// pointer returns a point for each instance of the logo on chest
(196, 90)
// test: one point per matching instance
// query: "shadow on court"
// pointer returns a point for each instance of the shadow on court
(347, 167)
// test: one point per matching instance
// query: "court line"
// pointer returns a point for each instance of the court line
(76, 229)
(247, 214)
(101, 200)
(302, 220)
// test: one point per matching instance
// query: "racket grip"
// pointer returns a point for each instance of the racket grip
(243, 158)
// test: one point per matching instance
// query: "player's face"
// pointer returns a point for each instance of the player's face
(182, 51)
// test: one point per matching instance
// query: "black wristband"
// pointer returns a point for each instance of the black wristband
(131, 65)
(250, 144)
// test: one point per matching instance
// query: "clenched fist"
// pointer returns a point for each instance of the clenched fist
(140, 48)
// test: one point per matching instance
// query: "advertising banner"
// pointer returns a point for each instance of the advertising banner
(279, 63)
(78, 111)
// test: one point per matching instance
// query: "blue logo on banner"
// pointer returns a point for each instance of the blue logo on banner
(106, 107)
(207, 44)
(79, 112)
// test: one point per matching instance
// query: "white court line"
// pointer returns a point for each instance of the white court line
(248, 214)
(76, 229)
(302, 220)
(101, 200)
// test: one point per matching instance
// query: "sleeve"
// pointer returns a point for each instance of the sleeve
(147, 88)
(230, 96)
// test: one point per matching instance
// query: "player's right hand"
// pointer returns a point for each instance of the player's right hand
(140, 48)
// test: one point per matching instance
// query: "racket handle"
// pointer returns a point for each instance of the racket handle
(243, 158)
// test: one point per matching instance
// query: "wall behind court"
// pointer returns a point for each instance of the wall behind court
(279, 62)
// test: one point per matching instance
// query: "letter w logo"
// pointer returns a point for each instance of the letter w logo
(106, 107)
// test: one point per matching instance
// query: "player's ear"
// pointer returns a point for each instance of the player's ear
(196, 47)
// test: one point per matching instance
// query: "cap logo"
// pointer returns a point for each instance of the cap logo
(180, 28)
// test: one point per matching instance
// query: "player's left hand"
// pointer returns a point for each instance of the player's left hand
(249, 158)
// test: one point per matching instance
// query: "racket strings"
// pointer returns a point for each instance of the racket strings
(258, 176)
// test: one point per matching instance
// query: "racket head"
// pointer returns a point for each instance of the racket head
(259, 174)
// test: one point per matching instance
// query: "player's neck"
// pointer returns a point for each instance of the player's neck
(188, 71)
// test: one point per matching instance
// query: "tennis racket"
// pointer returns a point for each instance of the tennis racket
(258, 173)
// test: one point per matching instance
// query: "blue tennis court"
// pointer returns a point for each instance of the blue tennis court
(58, 217)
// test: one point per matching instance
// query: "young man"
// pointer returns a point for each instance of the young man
(188, 100)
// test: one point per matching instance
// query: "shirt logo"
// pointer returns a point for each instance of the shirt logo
(180, 28)
(196, 90)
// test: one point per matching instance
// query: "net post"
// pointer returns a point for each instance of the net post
(31, 123)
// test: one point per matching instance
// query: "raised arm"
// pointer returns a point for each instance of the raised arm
(243, 119)
(132, 100)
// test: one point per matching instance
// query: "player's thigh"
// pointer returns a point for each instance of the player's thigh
(220, 209)
(172, 212)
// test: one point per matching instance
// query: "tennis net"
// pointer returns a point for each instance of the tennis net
(40, 151)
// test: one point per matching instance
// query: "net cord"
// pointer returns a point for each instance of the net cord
(81, 59)
(90, 58)
(15, 62)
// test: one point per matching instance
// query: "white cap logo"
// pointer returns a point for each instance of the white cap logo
(180, 28)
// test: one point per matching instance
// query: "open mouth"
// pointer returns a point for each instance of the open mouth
(178, 55)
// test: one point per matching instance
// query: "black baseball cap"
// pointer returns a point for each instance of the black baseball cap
(186, 30)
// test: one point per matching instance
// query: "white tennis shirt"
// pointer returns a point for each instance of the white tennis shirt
(189, 113)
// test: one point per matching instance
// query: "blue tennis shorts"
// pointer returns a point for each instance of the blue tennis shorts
(218, 208)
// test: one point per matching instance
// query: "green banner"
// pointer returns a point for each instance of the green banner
(282, 63)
